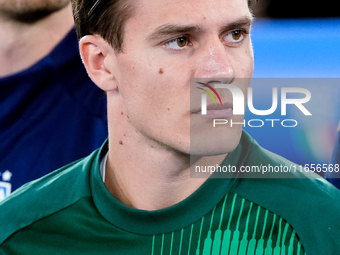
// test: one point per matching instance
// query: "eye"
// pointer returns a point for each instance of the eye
(235, 36)
(178, 43)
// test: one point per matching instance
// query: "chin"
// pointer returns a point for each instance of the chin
(215, 143)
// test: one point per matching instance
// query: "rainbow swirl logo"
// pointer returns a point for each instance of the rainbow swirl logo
(209, 93)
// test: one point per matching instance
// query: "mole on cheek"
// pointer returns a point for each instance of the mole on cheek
(161, 71)
(121, 142)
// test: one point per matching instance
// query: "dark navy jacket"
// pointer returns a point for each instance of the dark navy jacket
(50, 114)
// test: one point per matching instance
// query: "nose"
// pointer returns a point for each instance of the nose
(213, 62)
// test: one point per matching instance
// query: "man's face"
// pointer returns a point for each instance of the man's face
(17, 7)
(165, 44)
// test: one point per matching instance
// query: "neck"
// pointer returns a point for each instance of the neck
(145, 174)
(23, 44)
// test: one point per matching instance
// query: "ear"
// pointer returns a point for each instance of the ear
(97, 55)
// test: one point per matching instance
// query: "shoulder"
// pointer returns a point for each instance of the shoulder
(45, 196)
(307, 201)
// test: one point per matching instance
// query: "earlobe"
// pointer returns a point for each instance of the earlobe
(94, 51)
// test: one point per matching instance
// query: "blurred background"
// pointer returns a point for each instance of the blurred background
(299, 39)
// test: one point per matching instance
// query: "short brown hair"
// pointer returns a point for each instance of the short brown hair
(103, 17)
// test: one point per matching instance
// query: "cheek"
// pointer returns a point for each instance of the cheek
(249, 58)
(243, 61)
(244, 65)
(147, 92)
(155, 85)
(134, 77)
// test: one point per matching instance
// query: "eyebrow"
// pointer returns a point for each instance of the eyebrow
(243, 22)
(170, 29)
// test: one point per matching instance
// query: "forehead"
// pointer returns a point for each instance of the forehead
(153, 13)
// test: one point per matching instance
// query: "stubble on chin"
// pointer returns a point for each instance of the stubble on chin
(27, 11)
